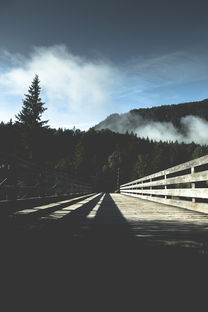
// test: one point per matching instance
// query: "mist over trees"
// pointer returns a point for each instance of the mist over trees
(93, 155)
(185, 122)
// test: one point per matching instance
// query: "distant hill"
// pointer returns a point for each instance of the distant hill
(167, 122)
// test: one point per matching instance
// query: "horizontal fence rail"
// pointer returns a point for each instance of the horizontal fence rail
(185, 186)
(21, 179)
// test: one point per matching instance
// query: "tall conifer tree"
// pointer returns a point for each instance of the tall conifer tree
(33, 107)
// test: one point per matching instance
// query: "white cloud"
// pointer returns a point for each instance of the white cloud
(82, 92)
(164, 131)
(196, 128)
(76, 90)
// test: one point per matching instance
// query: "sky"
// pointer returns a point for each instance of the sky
(95, 58)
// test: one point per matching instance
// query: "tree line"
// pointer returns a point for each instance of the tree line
(92, 155)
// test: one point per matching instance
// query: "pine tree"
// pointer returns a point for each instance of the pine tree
(33, 107)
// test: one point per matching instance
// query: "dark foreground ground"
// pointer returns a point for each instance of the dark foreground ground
(102, 256)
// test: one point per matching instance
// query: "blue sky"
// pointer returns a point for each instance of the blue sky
(97, 58)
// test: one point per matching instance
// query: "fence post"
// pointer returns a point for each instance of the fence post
(193, 184)
(118, 180)
(150, 186)
(165, 185)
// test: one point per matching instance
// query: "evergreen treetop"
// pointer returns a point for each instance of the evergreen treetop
(33, 107)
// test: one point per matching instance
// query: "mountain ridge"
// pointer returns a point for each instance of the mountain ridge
(164, 113)
(166, 122)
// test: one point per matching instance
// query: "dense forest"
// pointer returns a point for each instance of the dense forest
(175, 112)
(93, 155)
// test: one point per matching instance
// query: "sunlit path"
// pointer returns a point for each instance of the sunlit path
(109, 237)
(48, 206)
(58, 214)
(162, 224)
(112, 219)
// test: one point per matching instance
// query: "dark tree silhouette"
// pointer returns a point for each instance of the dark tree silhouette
(33, 107)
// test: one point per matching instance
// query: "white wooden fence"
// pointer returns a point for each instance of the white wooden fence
(185, 185)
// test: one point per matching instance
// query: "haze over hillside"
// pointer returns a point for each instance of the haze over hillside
(186, 122)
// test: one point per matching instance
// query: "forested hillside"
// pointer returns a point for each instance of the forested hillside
(175, 112)
(176, 119)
